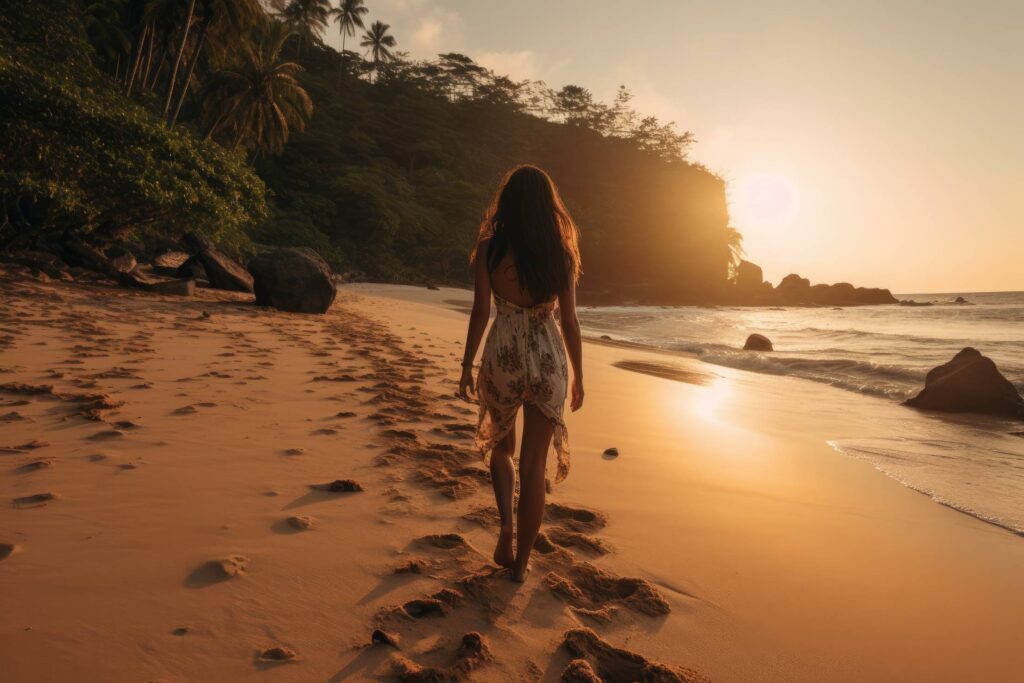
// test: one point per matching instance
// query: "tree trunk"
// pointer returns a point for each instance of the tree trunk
(137, 62)
(191, 70)
(149, 56)
(181, 53)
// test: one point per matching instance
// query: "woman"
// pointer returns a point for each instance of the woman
(527, 258)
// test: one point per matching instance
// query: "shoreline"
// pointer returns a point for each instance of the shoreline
(780, 555)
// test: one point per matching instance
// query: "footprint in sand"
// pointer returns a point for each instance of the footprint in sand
(36, 465)
(294, 451)
(185, 410)
(107, 435)
(217, 571)
(277, 655)
(8, 549)
(35, 501)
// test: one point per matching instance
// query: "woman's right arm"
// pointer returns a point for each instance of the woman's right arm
(477, 320)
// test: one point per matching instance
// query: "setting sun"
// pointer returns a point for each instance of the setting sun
(764, 201)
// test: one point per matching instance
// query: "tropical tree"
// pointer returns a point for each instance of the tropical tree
(306, 18)
(258, 103)
(349, 16)
(379, 43)
(234, 21)
(734, 243)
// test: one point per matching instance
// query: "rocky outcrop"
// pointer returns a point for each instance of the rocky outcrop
(295, 279)
(749, 277)
(758, 342)
(970, 383)
(121, 260)
(222, 271)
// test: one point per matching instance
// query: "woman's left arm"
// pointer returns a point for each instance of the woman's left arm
(477, 320)
(573, 342)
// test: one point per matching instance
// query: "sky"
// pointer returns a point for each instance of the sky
(878, 143)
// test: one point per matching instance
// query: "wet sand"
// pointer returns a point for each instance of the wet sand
(196, 489)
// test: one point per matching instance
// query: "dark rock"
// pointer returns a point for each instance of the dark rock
(749, 276)
(78, 253)
(169, 262)
(41, 261)
(294, 279)
(192, 267)
(121, 260)
(970, 383)
(222, 271)
(758, 342)
(177, 287)
(277, 654)
(611, 452)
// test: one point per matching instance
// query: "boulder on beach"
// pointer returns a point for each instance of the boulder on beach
(294, 279)
(758, 342)
(121, 260)
(970, 383)
(222, 271)
(178, 287)
(169, 262)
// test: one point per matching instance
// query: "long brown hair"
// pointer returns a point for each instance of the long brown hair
(528, 218)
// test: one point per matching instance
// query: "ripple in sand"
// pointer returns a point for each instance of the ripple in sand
(217, 571)
(36, 465)
(613, 664)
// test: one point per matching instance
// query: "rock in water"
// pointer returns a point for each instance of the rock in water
(758, 342)
(295, 279)
(970, 383)
(222, 271)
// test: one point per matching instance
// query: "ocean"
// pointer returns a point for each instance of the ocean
(972, 463)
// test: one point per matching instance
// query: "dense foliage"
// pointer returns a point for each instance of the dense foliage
(148, 115)
(76, 155)
(391, 177)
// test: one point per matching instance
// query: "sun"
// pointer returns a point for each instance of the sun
(764, 200)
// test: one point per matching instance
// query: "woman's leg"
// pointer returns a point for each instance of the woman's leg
(503, 478)
(533, 454)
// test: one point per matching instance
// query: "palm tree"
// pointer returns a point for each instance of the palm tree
(257, 104)
(377, 41)
(349, 16)
(734, 243)
(235, 18)
(306, 18)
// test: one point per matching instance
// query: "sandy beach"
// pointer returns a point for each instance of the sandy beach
(201, 490)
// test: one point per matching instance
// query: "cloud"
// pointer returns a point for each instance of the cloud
(518, 65)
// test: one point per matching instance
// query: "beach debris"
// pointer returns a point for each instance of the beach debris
(612, 452)
(758, 342)
(969, 383)
(613, 664)
(293, 279)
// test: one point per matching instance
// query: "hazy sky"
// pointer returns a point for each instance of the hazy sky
(880, 143)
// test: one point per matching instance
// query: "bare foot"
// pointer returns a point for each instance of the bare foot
(503, 556)
(519, 573)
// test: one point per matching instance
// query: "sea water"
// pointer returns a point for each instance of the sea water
(971, 463)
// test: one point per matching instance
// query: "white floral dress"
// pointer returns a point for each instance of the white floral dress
(523, 362)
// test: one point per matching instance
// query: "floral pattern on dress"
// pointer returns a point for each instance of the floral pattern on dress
(524, 361)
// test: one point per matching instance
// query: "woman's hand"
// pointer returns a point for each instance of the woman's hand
(577, 394)
(467, 387)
